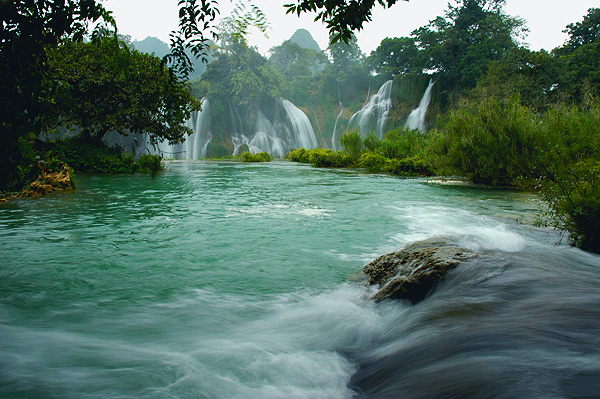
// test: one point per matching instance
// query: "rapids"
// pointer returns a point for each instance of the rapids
(232, 280)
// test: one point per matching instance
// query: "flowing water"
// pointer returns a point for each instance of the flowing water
(371, 118)
(230, 280)
(416, 119)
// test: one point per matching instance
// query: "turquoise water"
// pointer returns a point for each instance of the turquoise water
(230, 280)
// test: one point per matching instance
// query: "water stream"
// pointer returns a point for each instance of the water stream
(230, 280)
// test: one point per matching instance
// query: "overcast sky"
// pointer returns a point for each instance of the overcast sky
(545, 19)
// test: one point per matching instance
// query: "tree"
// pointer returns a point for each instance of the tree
(27, 27)
(241, 79)
(300, 68)
(104, 86)
(459, 46)
(584, 32)
(348, 73)
(581, 56)
(394, 56)
(535, 76)
(294, 60)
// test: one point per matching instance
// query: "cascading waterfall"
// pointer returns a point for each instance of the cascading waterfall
(373, 115)
(416, 119)
(290, 128)
(303, 133)
(238, 138)
(268, 137)
(196, 144)
(334, 139)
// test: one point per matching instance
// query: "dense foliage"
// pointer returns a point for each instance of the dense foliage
(26, 94)
(105, 86)
(396, 154)
(247, 156)
(92, 157)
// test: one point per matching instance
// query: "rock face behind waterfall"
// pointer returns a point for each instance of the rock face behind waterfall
(414, 271)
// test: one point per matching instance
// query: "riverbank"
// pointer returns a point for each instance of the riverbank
(54, 177)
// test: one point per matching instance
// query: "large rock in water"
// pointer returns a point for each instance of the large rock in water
(413, 272)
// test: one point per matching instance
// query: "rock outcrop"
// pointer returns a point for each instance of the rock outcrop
(415, 270)
(47, 182)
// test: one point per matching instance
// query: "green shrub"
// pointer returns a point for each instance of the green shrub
(259, 157)
(372, 162)
(298, 155)
(328, 158)
(401, 143)
(371, 143)
(96, 157)
(573, 198)
(569, 166)
(489, 142)
(407, 167)
(352, 143)
(149, 163)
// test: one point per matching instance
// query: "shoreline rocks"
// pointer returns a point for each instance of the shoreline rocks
(46, 183)
(414, 271)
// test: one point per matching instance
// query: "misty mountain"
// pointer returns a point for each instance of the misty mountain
(304, 39)
(153, 45)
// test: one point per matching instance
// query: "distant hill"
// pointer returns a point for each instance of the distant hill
(304, 39)
(152, 45)
(160, 49)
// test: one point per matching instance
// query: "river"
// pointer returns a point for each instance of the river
(232, 280)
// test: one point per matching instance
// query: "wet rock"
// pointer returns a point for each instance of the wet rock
(49, 182)
(413, 272)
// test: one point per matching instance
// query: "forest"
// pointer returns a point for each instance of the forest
(499, 114)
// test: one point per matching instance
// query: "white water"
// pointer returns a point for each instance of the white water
(303, 133)
(416, 119)
(373, 115)
(334, 138)
(195, 145)
(290, 128)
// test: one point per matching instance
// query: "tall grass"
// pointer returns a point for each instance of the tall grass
(489, 143)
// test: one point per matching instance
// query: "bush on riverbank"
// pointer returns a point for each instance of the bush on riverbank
(247, 156)
(488, 142)
(511, 145)
(502, 144)
(370, 157)
(96, 157)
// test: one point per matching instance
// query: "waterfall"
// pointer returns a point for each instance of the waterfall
(303, 133)
(268, 137)
(334, 139)
(196, 144)
(290, 128)
(416, 119)
(238, 138)
(374, 113)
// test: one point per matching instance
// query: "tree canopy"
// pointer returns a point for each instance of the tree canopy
(394, 56)
(460, 45)
(103, 85)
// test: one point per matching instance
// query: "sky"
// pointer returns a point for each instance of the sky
(545, 19)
